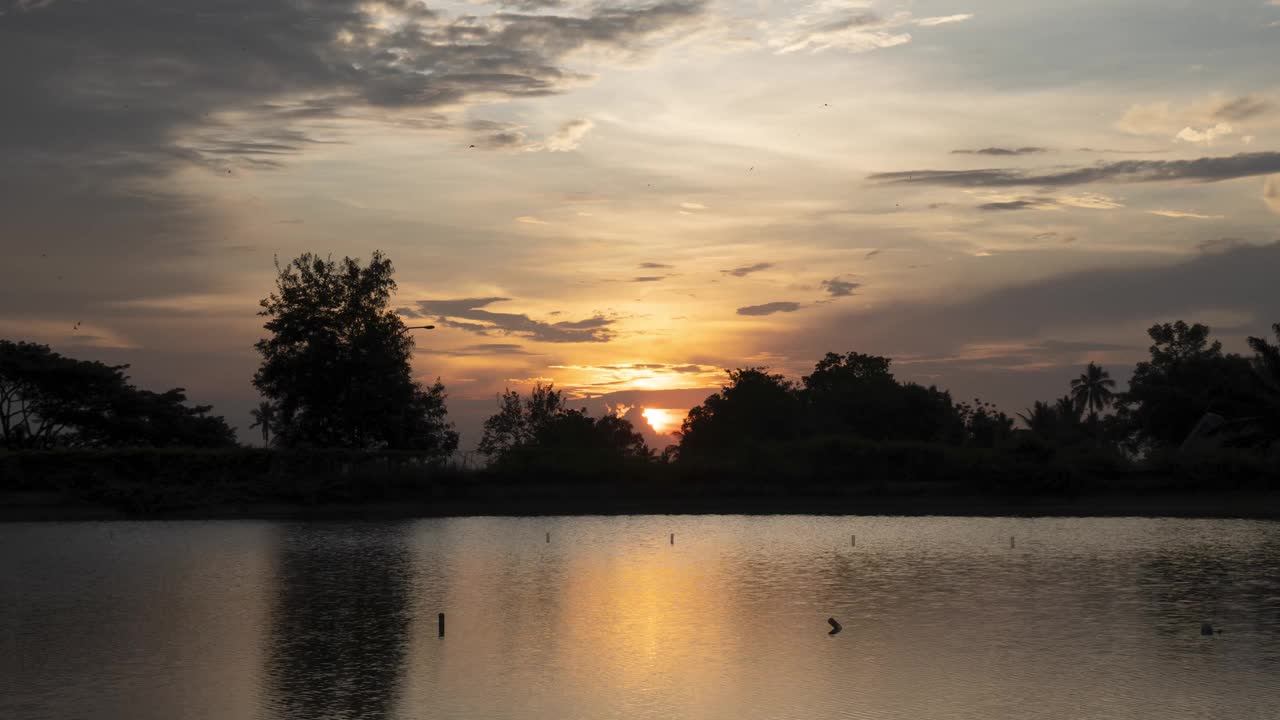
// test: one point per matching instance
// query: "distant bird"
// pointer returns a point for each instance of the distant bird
(825, 105)
(753, 167)
(835, 626)
(471, 146)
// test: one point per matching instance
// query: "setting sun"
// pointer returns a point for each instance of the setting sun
(664, 421)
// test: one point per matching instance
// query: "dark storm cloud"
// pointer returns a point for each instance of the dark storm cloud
(769, 308)
(100, 102)
(836, 287)
(746, 270)
(1208, 169)
(1001, 151)
(469, 314)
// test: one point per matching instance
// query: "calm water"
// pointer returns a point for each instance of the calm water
(1083, 619)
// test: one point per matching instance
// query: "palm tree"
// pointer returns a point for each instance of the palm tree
(264, 416)
(1092, 390)
(1067, 409)
(1042, 419)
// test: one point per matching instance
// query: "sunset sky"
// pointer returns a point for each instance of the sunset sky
(626, 198)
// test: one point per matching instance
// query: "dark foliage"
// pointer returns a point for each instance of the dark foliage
(336, 365)
(539, 433)
(49, 400)
(1186, 377)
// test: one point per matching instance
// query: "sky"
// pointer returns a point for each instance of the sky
(626, 198)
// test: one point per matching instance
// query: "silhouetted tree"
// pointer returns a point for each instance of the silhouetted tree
(1092, 391)
(1266, 368)
(519, 420)
(755, 407)
(857, 393)
(985, 426)
(49, 400)
(264, 416)
(1042, 419)
(1186, 377)
(541, 428)
(336, 365)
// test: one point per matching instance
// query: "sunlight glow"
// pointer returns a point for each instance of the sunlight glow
(664, 421)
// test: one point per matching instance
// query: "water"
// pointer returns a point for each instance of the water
(942, 619)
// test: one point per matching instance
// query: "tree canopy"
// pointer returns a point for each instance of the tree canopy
(49, 400)
(335, 366)
(541, 426)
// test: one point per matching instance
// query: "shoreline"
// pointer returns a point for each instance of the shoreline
(1230, 505)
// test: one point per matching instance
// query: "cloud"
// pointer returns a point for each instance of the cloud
(648, 278)
(1241, 108)
(1231, 276)
(655, 266)
(857, 33)
(1207, 135)
(746, 270)
(1205, 169)
(1197, 122)
(1271, 193)
(1223, 244)
(530, 220)
(480, 350)
(872, 254)
(836, 287)
(1034, 203)
(943, 20)
(509, 136)
(769, 308)
(1181, 214)
(693, 206)
(1002, 151)
(470, 314)
(569, 136)
(1088, 201)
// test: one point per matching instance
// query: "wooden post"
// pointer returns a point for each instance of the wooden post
(853, 541)
(1012, 545)
(673, 538)
(548, 537)
(441, 624)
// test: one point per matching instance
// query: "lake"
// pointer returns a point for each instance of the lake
(1080, 618)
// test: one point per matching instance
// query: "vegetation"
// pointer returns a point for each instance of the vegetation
(50, 401)
(342, 420)
(335, 368)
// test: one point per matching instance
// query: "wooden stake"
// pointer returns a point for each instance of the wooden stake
(441, 624)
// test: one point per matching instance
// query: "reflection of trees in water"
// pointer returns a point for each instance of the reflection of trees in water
(1231, 587)
(339, 630)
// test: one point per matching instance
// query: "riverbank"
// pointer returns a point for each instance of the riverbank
(38, 507)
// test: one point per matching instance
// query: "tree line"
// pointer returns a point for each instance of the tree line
(335, 373)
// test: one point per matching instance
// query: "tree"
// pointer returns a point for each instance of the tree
(1266, 368)
(49, 400)
(857, 393)
(264, 416)
(1186, 377)
(336, 364)
(1092, 390)
(518, 421)
(1041, 419)
(755, 407)
(984, 425)
(541, 428)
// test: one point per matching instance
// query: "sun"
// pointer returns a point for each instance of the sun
(664, 421)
